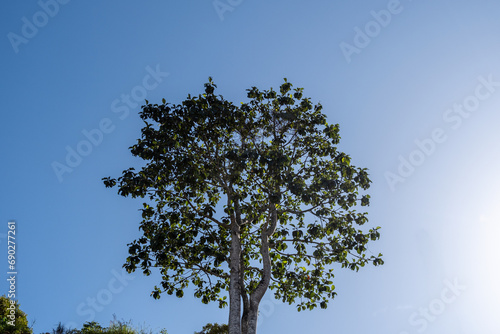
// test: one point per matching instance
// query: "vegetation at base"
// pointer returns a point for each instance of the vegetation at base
(115, 327)
(214, 329)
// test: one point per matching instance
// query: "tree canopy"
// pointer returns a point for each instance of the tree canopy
(245, 199)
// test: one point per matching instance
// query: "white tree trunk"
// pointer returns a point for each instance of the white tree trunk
(261, 289)
(234, 323)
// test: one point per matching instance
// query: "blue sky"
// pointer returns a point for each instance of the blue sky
(414, 85)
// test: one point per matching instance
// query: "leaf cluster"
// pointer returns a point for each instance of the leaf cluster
(21, 322)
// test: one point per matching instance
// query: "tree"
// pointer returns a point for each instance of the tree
(213, 329)
(245, 199)
(12, 319)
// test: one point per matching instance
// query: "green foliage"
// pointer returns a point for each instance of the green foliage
(61, 329)
(92, 328)
(211, 166)
(214, 329)
(116, 327)
(12, 319)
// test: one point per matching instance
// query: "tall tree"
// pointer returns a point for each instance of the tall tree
(245, 199)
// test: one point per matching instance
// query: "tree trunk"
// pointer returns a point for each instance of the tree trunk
(244, 318)
(261, 289)
(246, 302)
(234, 323)
(253, 316)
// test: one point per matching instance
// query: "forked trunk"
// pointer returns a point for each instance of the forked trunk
(246, 323)
(256, 296)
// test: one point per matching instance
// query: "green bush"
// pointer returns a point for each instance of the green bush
(116, 327)
(214, 329)
(18, 325)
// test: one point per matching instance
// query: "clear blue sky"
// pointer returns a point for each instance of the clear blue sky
(414, 85)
